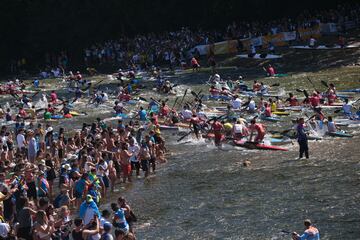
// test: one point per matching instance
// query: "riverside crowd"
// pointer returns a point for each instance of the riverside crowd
(46, 174)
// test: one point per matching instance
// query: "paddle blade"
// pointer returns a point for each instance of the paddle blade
(299, 90)
(276, 85)
(324, 83)
(143, 99)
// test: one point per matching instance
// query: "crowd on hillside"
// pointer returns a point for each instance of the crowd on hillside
(171, 48)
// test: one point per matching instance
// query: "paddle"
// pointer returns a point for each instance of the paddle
(183, 97)
(275, 85)
(300, 90)
(177, 98)
(184, 136)
(324, 83)
(143, 99)
(311, 83)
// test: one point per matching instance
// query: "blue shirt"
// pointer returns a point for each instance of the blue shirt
(120, 220)
(142, 115)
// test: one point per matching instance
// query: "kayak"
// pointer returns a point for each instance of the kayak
(73, 113)
(260, 146)
(270, 119)
(356, 90)
(281, 113)
(279, 141)
(259, 56)
(321, 47)
(168, 127)
(293, 108)
(281, 75)
(219, 97)
(121, 115)
(339, 134)
(212, 136)
(57, 117)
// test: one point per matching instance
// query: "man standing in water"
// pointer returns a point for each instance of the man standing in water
(302, 139)
(311, 232)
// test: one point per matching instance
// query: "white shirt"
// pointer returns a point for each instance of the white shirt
(347, 108)
(135, 151)
(312, 42)
(252, 105)
(238, 128)
(187, 114)
(236, 104)
(20, 139)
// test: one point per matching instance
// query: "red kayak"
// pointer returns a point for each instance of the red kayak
(212, 136)
(246, 144)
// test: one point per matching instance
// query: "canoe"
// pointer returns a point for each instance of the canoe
(260, 146)
(339, 134)
(259, 56)
(281, 113)
(270, 119)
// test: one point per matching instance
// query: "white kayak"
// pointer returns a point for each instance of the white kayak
(260, 56)
(322, 47)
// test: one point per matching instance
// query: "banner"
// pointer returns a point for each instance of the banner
(307, 33)
(328, 28)
(225, 47)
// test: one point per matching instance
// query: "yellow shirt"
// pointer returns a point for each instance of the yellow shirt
(273, 107)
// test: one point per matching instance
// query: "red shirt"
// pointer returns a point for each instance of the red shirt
(217, 126)
(258, 127)
(214, 91)
(271, 71)
(22, 113)
(53, 97)
(268, 111)
(293, 101)
(194, 62)
(314, 101)
(165, 110)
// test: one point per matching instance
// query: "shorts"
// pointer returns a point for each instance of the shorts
(106, 181)
(78, 195)
(126, 169)
(145, 165)
(135, 166)
(260, 137)
(31, 192)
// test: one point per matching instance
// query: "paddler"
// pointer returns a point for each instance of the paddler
(239, 129)
(302, 138)
(331, 94)
(267, 110)
(164, 110)
(273, 105)
(217, 128)
(22, 113)
(347, 108)
(292, 100)
(310, 233)
(227, 127)
(312, 42)
(270, 70)
(331, 126)
(314, 99)
(53, 97)
(214, 91)
(235, 102)
(142, 114)
(251, 105)
(256, 86)
(194, 64)
(259, 128)
(186, 113)
(195, 124)
(264, 89)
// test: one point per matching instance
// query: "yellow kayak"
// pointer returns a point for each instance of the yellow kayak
(281, 113)
(75, 113)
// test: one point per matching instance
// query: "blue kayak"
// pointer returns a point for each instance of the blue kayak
(270, 119)
(122, 115)
(339, 134)
(356, 90)
(57, 116)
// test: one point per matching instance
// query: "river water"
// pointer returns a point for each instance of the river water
(206, 193)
